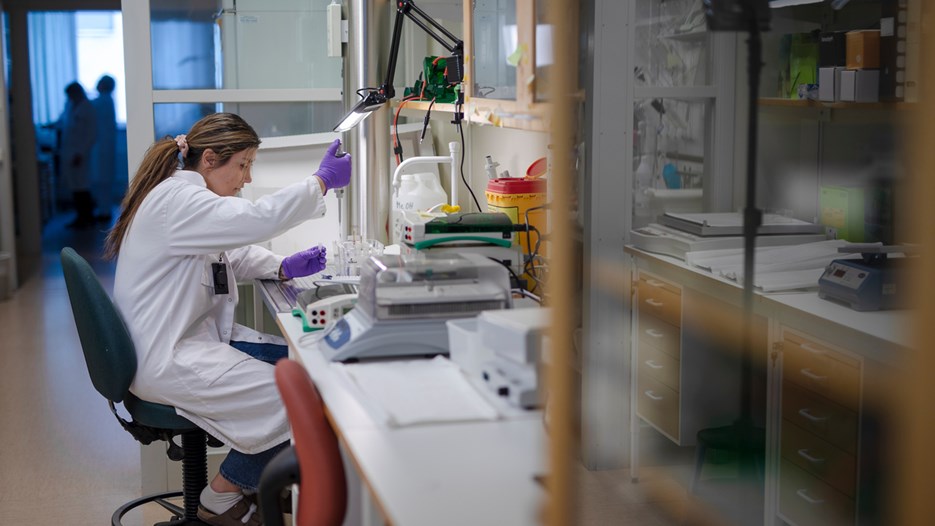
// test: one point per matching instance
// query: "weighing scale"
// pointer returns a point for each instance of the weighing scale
(404, 301)
(873, 282)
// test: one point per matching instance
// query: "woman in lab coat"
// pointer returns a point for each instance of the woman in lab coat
(182, 242)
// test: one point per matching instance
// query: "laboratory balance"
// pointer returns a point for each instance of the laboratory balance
(404, 301)
(873, 282)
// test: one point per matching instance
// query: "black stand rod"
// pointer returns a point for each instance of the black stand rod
(752, 218)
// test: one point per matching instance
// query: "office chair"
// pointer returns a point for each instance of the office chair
(111, 360)
(313, 462)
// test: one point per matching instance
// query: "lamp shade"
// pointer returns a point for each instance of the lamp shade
(372, 102)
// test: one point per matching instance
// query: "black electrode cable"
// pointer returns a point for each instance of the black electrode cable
(464, 179)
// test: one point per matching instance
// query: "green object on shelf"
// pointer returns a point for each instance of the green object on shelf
(842, 208)
(300, 313)
(507, 243)
(435, 87)
(801, 50)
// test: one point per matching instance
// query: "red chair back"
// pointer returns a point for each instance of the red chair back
(323, 488)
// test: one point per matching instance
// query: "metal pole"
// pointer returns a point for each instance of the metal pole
(368, 142)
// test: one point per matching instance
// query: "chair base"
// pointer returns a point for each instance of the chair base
(159, 498)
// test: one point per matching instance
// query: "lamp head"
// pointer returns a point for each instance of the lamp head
(374, 100)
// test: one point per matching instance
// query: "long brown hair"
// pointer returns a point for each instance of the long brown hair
(224, 133)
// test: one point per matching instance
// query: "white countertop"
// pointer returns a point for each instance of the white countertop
(455, 473)
(890, 326)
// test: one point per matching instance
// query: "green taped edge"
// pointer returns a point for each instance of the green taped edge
(419, 245)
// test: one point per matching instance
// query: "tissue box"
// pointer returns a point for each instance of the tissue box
(863, 49)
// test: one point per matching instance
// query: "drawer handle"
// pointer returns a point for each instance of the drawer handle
(654, 333)
(807, 498)
(807, 414)
(814, 460)
(652, 395)
(814, 350)
(810, 375)
(652, 364)
(654, 283)
(653, 303)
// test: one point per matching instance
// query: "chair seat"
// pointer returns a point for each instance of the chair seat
(156, 415)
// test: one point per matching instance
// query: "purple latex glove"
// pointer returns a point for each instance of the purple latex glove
(304, 263)
(335, 169)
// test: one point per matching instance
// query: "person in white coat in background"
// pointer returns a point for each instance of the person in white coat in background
(103, 155)
(78, 127)
(182, 241)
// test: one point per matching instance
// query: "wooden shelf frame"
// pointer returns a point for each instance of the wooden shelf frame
(524, 112)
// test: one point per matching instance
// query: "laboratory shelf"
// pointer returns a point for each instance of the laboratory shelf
(422, 105)
(485, 112)
(805, 103)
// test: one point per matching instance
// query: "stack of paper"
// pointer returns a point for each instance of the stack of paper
(776, 269)
(420, 391)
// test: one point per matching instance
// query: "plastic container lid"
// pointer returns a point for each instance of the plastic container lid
(517, 185)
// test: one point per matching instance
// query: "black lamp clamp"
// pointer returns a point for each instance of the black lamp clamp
(377, 97)
(409, 9)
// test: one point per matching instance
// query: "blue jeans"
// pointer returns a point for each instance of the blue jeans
(240, 468)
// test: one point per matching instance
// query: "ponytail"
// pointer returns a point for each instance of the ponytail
(159, 163)
(223, 133)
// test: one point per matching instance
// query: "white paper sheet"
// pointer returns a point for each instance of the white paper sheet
(413, 392)
(778, 269)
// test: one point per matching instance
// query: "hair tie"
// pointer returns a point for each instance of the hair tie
(182, 144)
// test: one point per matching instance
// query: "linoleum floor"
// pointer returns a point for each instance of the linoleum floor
(63, 457)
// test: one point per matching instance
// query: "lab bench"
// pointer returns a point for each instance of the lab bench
(825, 371)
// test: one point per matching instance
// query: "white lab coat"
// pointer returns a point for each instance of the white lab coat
(103, 153)
(78, 124)
(181, 328)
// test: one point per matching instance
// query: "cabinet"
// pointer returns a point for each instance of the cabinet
(819, 434)
(807, 146)
(685, 360)
(659, 304)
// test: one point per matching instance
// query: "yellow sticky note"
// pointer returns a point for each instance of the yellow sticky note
(516, 56)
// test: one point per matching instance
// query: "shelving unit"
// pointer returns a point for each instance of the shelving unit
(483, 112)
(806, 103)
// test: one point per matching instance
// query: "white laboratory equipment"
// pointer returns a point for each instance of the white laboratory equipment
(411, 193)
(404, 302)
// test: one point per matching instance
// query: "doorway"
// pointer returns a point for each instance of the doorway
(69, 149)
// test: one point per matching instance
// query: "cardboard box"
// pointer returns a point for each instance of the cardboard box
(861, 85)
(863, 49)
(842, 209)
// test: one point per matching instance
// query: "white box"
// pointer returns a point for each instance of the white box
(860, 85)
(829, 84)
(465, 347)
(516, 334)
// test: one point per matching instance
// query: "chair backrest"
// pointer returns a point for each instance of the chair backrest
(108, 348)
(323, 488)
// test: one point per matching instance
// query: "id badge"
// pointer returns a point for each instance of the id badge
(219, 271)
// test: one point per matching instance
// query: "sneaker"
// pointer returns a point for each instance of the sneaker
(244, 513)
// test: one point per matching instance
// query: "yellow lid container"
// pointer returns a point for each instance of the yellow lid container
(517, 197)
